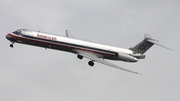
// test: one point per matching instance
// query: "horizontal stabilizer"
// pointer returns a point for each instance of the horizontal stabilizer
(156, 42)
(145, 45)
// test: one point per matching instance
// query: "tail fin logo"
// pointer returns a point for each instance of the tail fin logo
(142, 47)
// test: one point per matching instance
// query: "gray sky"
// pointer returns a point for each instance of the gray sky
(30, 73)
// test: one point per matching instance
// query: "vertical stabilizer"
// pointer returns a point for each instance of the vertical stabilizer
(143, 46)
(146, 44)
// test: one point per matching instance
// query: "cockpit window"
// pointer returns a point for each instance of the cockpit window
(17, 32)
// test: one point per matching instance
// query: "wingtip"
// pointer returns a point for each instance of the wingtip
(137, 73)
(170, 49)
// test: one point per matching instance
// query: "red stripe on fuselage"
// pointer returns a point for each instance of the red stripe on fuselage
(56, 44)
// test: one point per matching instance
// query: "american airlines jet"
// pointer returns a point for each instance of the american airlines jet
(93, 51)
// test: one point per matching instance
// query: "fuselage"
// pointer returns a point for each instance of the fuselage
(45, 40)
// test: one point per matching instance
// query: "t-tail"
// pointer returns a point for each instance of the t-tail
(146, 44)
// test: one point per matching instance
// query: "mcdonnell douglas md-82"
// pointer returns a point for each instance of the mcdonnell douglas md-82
(93, 51)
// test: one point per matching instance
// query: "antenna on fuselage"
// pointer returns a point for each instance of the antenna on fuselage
(68, 34)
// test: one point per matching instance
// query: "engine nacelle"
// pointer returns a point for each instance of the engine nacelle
(126, 57)
(138, 56)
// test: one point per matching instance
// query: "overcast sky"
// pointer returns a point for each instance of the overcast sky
(30, 73)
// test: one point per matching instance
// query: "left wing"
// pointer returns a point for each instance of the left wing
(96, 58)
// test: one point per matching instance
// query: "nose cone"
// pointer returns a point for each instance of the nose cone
(8, 37)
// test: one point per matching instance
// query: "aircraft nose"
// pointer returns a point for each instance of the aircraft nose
(8, 37)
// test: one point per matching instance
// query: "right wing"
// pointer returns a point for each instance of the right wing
(94, 57)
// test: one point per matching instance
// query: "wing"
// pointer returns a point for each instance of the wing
(94, 57)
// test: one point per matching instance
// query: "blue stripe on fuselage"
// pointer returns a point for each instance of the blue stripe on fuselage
(69, 44)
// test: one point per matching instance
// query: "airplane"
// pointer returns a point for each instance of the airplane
(90, 50)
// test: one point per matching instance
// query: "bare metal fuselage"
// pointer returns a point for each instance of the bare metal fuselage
(93, 51)
(67, 44)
